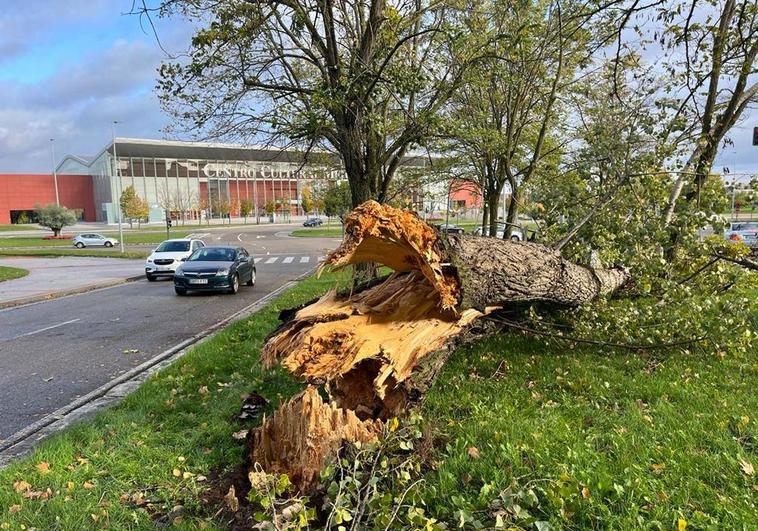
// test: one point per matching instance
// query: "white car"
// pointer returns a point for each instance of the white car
(516, 234)
(93, 240)
(164, 260)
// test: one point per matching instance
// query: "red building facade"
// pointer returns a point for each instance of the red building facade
(24, 192)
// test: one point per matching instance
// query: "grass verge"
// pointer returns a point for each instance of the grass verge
(318, 232)
(583, 440)
(14, 228)
(130, 238)
(50, 252)
(9, 273)
(127, 467)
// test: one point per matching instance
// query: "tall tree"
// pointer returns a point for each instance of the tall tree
(364, 78)
(713, 66)
(503, 115)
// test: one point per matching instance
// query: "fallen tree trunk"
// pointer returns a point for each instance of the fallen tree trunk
(377, 350)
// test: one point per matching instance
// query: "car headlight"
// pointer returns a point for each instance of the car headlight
(179, 272)
(222, 272)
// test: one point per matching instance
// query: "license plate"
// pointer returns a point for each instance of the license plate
(162, 268)
(199, 281)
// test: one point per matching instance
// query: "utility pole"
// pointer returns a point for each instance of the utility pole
(117, 172)
(55, 173)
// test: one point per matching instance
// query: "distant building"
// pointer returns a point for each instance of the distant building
(184, 180)
(197, 179)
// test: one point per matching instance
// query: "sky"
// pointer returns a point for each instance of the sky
(69, 68)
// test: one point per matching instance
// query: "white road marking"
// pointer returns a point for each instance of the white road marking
(288, 260)
(239, 236)
(321, 258)
(258, 260)
(272, 260)
(305, 259)
(45, 329)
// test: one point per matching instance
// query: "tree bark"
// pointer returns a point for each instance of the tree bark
(377, 349)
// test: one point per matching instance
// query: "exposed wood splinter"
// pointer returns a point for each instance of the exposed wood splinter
(303, 433)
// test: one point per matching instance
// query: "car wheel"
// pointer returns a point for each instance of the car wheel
(79, 245)
(515, 238)
(150, 277)
(235, 284)
(180, 291)
(108, 244)
(251, 282)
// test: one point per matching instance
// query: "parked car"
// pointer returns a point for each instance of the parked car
(312, 222)
(81, 241)
(743, 231)
(164, 260)
(215, 268)
(517, 235)
(449, 228)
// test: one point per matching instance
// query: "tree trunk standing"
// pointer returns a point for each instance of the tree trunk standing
(485, 217)
(512, 217)
(494, 201)
(378, 348)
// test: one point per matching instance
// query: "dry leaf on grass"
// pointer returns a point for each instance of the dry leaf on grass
(747, 467)
(43, 467)
(231, 500)
(14, 508)
(473, 452)
(21, 486)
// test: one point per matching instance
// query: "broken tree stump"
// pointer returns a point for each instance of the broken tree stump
(377, 349)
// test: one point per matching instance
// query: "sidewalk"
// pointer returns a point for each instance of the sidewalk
(50, 277)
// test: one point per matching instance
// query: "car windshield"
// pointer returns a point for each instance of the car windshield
(213, 255)
(173, 247)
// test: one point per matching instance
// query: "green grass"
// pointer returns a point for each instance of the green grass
(335, 231)
(13, 228)
(130, 238)
(70, 251)
(619, 441)
(9, 273)
(171, 422)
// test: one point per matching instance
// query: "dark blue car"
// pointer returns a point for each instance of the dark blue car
(216, 268)
(313, 222)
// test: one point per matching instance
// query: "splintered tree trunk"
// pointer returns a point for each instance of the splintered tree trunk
(377, 350)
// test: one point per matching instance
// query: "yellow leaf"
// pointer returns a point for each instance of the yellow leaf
(473, 452)
(681, 524)
(393, 424)
(88, 485)
(43, 467)
(203, 390)
(14, 508)
(187, 475)
(585, 492)
(177, 473)
(21, 486)
(747, 467)
(231, 500)
(658, 468)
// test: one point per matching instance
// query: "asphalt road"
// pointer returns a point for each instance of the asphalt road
(53, 352)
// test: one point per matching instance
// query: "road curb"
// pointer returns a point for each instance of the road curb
(22, 301)
(23, 441)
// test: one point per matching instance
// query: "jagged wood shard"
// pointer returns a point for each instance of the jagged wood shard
(303, 433)
(376, 350)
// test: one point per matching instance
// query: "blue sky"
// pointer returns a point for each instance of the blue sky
(68, 68)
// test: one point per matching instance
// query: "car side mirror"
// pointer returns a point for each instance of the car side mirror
(183, 259)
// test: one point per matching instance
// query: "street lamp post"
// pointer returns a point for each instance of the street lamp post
(55, 173)
(117, 173)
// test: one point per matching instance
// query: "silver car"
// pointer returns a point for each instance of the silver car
(93, 240)
(517, 234)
